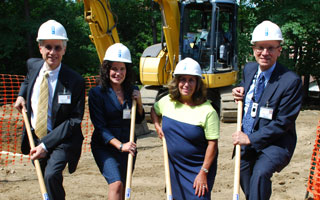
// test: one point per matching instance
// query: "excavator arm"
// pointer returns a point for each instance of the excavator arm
(158, 61)
(102, 22)
(171, 29)
(201, 29)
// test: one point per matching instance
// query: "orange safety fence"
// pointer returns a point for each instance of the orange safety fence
(11, 123)
(314, 175)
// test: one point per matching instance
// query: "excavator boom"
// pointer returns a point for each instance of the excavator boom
(205, 30)
(102, 23)
(171, 28)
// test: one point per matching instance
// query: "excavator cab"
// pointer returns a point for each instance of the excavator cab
(204, 30)
(208, 35)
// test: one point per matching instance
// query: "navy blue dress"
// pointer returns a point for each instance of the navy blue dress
(187, 130)
(106, 114)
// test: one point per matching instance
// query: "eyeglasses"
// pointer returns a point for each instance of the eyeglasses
(261, 49)
(183, 80)
(57, 48)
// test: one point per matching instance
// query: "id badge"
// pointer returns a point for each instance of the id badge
(126, 113)
(64, 98)
(254, 109)
(266, 113)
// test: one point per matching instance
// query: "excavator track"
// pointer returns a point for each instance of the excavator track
(148, 97)
(228, 110)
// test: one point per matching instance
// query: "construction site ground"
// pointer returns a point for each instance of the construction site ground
(19, 181)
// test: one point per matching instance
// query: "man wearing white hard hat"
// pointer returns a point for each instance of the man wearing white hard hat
(53, 96)
(190, 126)
(272, 100)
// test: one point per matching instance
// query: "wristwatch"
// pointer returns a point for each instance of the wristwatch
(205, 170)
(120, 149)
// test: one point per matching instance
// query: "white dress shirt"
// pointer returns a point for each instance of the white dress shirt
(267, 74)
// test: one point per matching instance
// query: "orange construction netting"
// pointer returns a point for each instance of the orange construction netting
(314, 175)
(11, 123)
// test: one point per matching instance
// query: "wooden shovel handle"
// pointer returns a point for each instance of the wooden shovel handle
(130, 157)
(36, 162)
(236, 183)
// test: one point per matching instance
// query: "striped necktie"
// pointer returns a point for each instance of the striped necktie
(248, 120)
(42, 112)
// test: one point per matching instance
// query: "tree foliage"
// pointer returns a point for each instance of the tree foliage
(137, 22)
(135, 25)
(299, 22)
(20, 21)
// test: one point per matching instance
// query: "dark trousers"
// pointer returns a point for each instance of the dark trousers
(255, 175)
(52, 167)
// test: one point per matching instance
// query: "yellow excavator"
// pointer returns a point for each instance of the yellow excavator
(102, 23)
(205, 30)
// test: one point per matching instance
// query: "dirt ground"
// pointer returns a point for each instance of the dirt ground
(19, 181)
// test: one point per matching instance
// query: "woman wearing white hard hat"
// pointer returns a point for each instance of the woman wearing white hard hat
(110, 103)
(191, 128)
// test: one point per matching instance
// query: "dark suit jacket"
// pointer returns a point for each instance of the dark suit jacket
(277, 137)
(66, 118)
(106, 114)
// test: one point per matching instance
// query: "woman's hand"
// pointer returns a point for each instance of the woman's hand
(129, 147)
(200, 184)
(159, 130)
(156, 120)
(136, 95)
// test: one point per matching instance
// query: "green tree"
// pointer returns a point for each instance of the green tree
(302, 33)
(20, 20)
(300, 26)
(247, 20)
(135, 20)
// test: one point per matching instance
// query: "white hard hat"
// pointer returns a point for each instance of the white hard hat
(188, 66)
(52, 30)
(266, 31)
(118, 53)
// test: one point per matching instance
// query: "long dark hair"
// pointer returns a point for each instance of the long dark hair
(104, 79)
(198, 97)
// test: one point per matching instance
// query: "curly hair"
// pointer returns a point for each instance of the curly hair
(198, 97)
(104, 79)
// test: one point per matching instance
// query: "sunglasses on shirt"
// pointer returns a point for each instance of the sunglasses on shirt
(57, 48)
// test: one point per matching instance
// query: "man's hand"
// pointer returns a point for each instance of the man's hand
(38, 152)
(238, 93)
(241, 138)
(20, 104)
